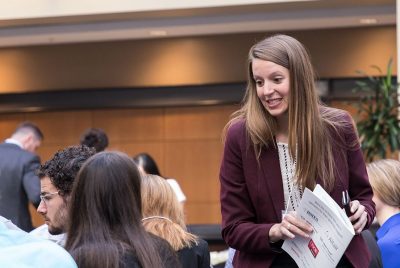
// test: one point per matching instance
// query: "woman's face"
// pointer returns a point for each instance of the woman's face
(272, 83)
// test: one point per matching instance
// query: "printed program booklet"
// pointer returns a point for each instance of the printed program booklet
(332, 232)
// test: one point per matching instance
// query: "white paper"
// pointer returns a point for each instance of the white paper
(332, 232)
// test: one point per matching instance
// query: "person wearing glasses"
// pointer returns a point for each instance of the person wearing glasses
(56, 179)
(105, 228)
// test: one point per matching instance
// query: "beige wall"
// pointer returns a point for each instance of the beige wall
(182, 61)
(35, 9)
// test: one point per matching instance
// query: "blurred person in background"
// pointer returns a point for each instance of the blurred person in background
(19, 183)
(163, 216)
(384, 176)
(96, 138)
(148, 166)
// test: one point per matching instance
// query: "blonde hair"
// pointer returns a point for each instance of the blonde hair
(163, 214)
(310, 124)
(384, 176)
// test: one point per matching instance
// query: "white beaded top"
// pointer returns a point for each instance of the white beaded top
(292, 192)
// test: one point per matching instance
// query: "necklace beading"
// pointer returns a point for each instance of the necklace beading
(294, 193)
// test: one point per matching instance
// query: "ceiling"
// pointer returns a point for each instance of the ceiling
(34, 29)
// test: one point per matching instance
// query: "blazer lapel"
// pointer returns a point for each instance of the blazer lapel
(269, 161)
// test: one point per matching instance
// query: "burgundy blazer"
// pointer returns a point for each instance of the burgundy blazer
(252, 196)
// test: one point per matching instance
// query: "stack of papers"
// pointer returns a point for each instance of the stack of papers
(332, 231)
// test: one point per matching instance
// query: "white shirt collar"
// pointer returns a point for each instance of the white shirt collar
(13, 141)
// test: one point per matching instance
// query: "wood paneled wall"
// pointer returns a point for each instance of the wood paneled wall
(185, 142)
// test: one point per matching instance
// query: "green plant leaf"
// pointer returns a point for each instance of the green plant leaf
(378, 126)
(389, 72)
(376, 67)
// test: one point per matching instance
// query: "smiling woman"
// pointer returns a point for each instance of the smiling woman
(281, 141)
(272, 84)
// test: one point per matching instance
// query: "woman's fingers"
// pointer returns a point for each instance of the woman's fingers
(294, 226)
(285, 230)
(354, 205)
(359, 217)
(361, 222)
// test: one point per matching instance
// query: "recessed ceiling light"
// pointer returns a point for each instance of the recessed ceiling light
(368, 21)
(158, 33)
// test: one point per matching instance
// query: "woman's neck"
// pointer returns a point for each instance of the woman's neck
(282, 133)
(385, 213)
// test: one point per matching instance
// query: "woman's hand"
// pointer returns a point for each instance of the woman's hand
(289, 228)
(359, 217)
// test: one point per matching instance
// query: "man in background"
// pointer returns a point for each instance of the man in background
(96, 138)
(19, 183)
(56, 179)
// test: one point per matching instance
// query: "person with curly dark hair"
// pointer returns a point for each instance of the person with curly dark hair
(105, 218)
(57, 176)
(96, 138)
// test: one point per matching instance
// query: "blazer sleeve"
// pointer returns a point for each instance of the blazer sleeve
(30, 181)
(240, 228)
(359, 186)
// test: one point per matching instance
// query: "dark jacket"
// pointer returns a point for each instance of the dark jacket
(376, 259)
(167, 254)
(252, 196)
(197, 256)
(19, 184)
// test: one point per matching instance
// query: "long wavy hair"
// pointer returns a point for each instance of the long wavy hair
(105, 215)
(309, 136)
(163, 213)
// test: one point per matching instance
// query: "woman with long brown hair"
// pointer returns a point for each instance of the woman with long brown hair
(281, 141)
(105, 228)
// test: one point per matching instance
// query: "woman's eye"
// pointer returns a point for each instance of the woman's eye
(259, 83)
(278, 80)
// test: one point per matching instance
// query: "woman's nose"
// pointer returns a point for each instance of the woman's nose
(268, 88)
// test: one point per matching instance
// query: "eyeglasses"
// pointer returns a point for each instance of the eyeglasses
(47, 197)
